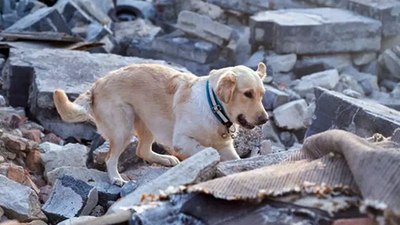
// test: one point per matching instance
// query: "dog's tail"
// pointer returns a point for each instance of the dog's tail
(73, 112)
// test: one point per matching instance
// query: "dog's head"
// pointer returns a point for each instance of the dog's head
(241, 90)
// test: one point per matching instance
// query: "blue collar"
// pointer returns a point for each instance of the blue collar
(218, 110)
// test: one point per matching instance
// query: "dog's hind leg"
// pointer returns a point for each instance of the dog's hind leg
(144, 150)
(116, 126)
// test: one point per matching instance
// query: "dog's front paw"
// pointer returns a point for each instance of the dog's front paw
(118, 181)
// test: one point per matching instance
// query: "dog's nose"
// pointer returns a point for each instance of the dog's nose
(262, 119)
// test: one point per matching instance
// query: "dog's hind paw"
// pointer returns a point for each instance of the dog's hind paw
(169, 160)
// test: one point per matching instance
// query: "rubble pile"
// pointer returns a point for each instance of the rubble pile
(332, 64)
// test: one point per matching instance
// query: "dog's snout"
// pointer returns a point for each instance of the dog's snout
(262, 119)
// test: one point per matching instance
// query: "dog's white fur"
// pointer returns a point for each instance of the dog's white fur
(158, 103)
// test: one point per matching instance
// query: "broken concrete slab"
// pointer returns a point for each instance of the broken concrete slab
(291, 115)
(55, 156)
(26, 7)
(131, 36)
(197, 168)
(282, 63)
(96, 178)
(19, 201)
(32, 75)
(363, 58)
(187, 48)
(328, 3)
(237, 166)
(250, 7)
(274, 97)
(204, 27)
(326, 79)
(335, 110)
(44, 19)
(70, 198)
(310, 31)
(385, 11)
(337, 61)
(390, 60)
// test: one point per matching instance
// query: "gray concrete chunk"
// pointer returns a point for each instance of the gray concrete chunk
(320, 30)
(385, 11)
(291, 115)
(236, 166)
(54, 156)
(204, 27)
(70, 198)
(19, 201)
(337, 111)
(96, 178)
(326, 79)
(197, 168)
(187, 48)
(274, 97)
(45, 19)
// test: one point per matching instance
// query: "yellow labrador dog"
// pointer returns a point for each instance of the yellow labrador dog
(179, 110)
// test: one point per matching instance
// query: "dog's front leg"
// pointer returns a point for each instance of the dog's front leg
(185, 146)
(228, 152)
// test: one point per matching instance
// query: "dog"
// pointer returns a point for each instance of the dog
(179, 110)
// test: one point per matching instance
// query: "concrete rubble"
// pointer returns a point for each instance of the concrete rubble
(331, 64)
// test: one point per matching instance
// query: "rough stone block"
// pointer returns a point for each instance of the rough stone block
(204, 27)
(197, 168)
(26, 7)
(236, 166)
(70, 198)
(363, 58)
(385, 11)
(98, 179)
(281, 63)
(335, 110)
(19, 201)
(44, 19)
(33, 75)
(320, 30)
(274, 97)
(326, 79)
(254, 6)
(187, 48)
(328, 61)
(55, 156)
(291, 115)
(329, 3)
(132, 36)
(390, 60)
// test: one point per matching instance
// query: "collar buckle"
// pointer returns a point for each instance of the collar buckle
(216, 108)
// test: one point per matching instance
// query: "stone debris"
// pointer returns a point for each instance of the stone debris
(44, 19)
(335, 110)
(55, 156)
(204, 27)
(309, 31)
(385, 11)
(326, 79)
(70, 198)
(197, 168)
(291, 115)
(24, 206)
(236, 166)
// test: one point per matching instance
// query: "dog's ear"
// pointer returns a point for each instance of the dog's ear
(262, 70)
(226, 86)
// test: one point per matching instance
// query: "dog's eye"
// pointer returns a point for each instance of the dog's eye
(248, 94)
